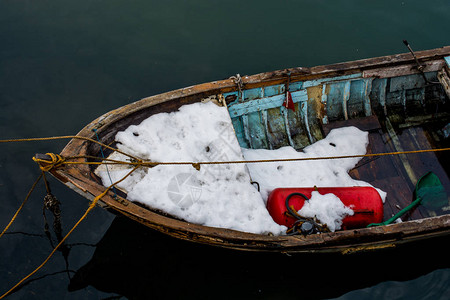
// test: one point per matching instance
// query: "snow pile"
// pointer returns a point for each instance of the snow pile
(222, 195)
(309, 173)
(217, 195)
(328, 209)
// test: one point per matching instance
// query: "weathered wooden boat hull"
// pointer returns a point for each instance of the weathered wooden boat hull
(324, 96)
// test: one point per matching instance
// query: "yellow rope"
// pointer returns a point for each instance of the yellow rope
(290, 159)
(68, 137)
(58, 161)
(45, 165)
(21, 206)
(145, 163)
(91, 206)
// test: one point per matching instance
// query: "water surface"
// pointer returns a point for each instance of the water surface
(63, 63)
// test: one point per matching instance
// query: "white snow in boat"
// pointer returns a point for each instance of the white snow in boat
(217, 195)
(309, 173)
(328, 209)
(222, 195)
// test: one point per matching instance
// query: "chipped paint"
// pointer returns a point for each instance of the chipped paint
(246, 130)
(366, 99)
(266, 124)
(311, 83)
(304, 109)
(284, 112)
(324, 102)
(264, 103)
(346, 96)
(447, 61)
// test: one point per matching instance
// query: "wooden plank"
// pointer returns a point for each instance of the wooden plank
(252, 94)
(276, 128)
(382, 172)
(326, 80)
(375, 168)
(266, 128)
(313, 112)
(304, 73)
(401, 83)
(359, 104)
(247, 107)
(256, 131)
(366, 98)
(378, 96)
(415, 138)
(409, 69)
(298, 129)
(284, 113)
(366, 124)
(397, 198)
(444, 80)
(273, 90)
(239, 130)
(335, 92)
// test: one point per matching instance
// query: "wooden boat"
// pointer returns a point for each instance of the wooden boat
(401, 100)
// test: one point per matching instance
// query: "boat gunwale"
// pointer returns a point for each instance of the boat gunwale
(81, 179)
(252, 81)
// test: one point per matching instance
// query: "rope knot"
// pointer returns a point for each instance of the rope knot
(49, 161)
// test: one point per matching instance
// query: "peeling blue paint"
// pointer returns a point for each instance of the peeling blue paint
(366, 97)
(346, 96)
(335, 100)
(406, 82)
(316, 82)
(247, 107)
(261, 121)
(447, 61)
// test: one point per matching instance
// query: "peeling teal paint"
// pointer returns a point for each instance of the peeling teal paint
(239, 109)
(256, 131)
(273, 90)
(252, 94)
(366, 97)
(239, 130)
(284, 112)
(261, 121)
(447, 61)
(346, 96)
(406, 82)
(311, 83)
(335, 102)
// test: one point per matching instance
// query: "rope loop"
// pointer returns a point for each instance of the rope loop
(46, 165)
(240, 84)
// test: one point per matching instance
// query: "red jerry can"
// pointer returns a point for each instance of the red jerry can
(363, 200)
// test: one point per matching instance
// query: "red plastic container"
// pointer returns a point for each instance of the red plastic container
(364, 201)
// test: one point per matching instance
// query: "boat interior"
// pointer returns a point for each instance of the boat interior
(401, 108)
(401, 113)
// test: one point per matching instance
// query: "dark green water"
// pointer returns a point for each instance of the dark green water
(63, 63)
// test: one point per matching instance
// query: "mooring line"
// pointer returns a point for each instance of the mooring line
(57, 161)
(91, 206)
(22, 205)
(141, 162)
(145, 163)
(106, 166)
(67, 137)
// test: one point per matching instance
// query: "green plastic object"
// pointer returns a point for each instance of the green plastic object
(429, 192)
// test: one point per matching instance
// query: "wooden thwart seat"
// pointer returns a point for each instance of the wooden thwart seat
(395, 174)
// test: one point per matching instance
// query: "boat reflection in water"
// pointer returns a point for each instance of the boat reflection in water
(137, 262)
